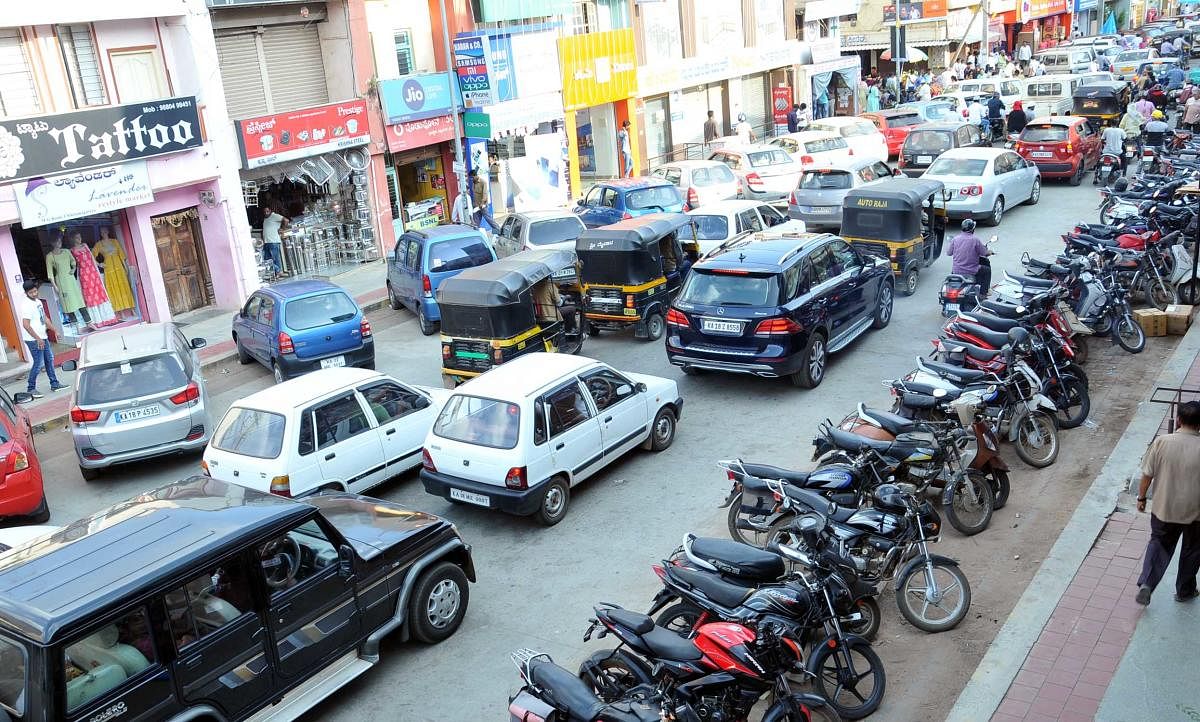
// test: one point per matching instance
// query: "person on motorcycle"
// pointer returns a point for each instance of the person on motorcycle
(1175, 78)
(995, 111)
(1144, 107)
(1017, 120)
(967, 251)
(976, 115)
(1131, 123)
(1114, 144)
(1156, 130)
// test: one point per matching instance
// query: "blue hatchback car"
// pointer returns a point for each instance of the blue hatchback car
(423, 259)
(300, 326)
(615, 200)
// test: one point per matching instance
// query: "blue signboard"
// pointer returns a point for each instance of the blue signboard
(504, 76)
(416, 97)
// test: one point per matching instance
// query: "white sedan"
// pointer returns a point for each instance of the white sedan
(860, 134)
(720, 221)
(812, 148)
(985, 181)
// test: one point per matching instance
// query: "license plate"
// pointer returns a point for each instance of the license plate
(1041, 154)
(721, 326)
(139, 413)
(334, 362)
(823, 210)
(631, 312)
(925, 159)
(470, 498)
(952, 307)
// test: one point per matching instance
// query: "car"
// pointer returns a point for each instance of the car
(962, 100)
(1072, 59)
(766, 172)
(139, 393)
(22, 495)
(861, 135)
(701, 181)
(982, 182)
(817, 197)
(537, 229)
(18, 536)
(933, 110)
(300, 326)
(1051, 94)
(422, 259)
(1100, 76)
(202, 600)
(1010, 89)
(1128, 62)
(778, 307)
(814, 147)
(1062, 146)
(341, 429)
(895, 125)
(720, 221)
(929, 140)
(1160, 66)
(610, 201)
(520, 436)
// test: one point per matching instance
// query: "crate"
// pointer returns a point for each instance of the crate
(1179, 317)
(1153, 321)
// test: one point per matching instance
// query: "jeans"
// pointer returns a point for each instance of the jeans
(273, 252)
(1163, 538)
(41, 357)
(628, 160)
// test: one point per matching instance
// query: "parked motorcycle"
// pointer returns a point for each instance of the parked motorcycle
(550, 693)
(1107, 169)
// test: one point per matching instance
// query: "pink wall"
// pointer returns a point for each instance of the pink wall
(364, 65)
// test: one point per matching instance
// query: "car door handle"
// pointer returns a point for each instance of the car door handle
(330, 456)
(559, 447)
(607, 419)
(389, 432)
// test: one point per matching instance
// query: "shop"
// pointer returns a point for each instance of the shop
(828, 86)
(1087, 18)
(1041, 23)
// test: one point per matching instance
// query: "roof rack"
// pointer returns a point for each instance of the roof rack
(795, 249)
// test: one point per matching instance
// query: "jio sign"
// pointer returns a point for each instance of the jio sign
(416, 97)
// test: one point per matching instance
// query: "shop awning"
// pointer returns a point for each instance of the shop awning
(912, 43)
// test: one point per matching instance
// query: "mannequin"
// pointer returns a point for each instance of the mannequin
(111, 255)
(60, 266)
(94, 295)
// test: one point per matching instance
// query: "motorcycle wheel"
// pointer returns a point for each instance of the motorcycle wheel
(1077, 371)
(1080, 344)
(680, 618)
(1129, 334)
(872, 618)
(1104, 326)
(611, 673)
(781, 711)
(842, 675)
(1000, 488)
(1073, 403)
(1158, 293)
(910, 597)
(1106, 213)
(753, 537)
(971, 504)
(1037, 439)
(781, 533)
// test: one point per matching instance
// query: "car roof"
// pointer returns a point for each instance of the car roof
(122, 344)
(972, 152)
(633, 183)
(438, 233)
(804, 135)
(746, 148)
(940, 125)
(840, 120)
(307, 388)
(75, 574)
(767, 254)
(731, 205)
(524, 376)
(845, 164)
(698, 163)
(891, 112)
(1056, 120)
(546, 215)
(301, 287)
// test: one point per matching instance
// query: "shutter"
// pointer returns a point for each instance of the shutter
(295, 68)
(754, 103)
(18, 96)
(241, 75)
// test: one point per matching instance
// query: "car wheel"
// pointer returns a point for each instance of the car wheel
(555, 500)
(655, 327)
(1078, 177)
(662, 431)
(883, 311)
(243, 357)
(427, 327)
(40, 515)
(812, 372)
(393, 299)
(89, 474)
(1035, 193)
(277, 370)
(997, 213)
(439, 603)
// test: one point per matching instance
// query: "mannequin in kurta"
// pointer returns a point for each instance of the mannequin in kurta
(94, 294)
(60, 266)
(111, 255)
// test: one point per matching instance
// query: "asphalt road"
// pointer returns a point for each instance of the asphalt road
(536, 585)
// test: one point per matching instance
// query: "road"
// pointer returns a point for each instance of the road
(536, 585)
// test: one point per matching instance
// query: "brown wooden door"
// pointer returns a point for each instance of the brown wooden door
(183, 273)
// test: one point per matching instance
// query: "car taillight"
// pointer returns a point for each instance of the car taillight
(364, 328)
(191, 393)
(807, 159)
(285, 343)
(426, 286)
(204, 468)
(693, 198)
(18, 460)
(281, 485)
(80, 416)
(1070, 148)
(771, 326)
(676, 318)
(792, 199)
(625, 216)
(515, 478)
(849, 151)
(974, 190)
(427, 461)
(754, 181)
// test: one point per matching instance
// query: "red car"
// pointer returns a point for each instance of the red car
(21, 493)
(895, 125)
(1062, 146)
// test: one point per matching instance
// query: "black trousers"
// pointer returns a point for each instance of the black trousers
(1164, 536)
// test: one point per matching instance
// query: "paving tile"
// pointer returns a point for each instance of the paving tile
(1107, 592)
(1070, 715)
(1062, 620)
(1106, 649)
(1089, 691)
(1037, 717)
(1083, 586)
(1070, 664)
(1073, 603)
(1089, 573)
(1065, 677)
(1071, 650)
(1045, 651)
(1029, 679)
(1090, 625)
(1046, 706)
(1000, 717)
(1052, 639)
(1055, 692)
(1099, 614)
(1126, 562)
(1013, 709)
(1104, 664)
(1096, 676)
(1038, 666)
(1083, 705)
(1115, 636)
(1021, 693)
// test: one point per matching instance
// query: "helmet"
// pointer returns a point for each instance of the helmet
(968, 225)
(29, 285)
(741, 117)
(889, 497)
(1157, 115)
(1018, 336)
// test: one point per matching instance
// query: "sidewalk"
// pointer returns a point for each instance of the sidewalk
(365, 283)
(1077, 646)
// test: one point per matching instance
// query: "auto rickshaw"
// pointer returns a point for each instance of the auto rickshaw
(491, 314)
(630, 271)
(1103, 102)
(902, 219)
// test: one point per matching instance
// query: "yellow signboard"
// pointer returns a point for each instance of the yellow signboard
(597, 68)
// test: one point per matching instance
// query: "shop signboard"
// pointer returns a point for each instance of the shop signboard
(737, 62)
(415, 97)
(271, 139)
(1035, 9)
(419, 133)
(51, 144)
(915, 11)
(781, 103)
(597, 68)
(477, 125)
(472, 66)
(55, 198)
(495, 10)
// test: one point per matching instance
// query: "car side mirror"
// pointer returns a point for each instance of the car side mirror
(422, 402)
(624, 390)
(345, 562)
(641, 387)
(197, 343)
(69, 365)
(22, 397)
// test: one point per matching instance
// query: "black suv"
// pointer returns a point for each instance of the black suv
(776, 304)
(206, 600)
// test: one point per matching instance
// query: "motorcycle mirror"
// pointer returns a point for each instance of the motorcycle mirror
(1021, 309)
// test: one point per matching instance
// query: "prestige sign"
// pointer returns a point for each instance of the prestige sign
(51, 144)
(85, 193)
(281, 137)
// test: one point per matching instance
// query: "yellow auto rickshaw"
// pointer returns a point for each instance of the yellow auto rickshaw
(902, 219)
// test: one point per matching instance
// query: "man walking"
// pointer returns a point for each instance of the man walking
(710, 129)
(1172, 463)
(33, 333)
(793, 118)
(623, 145)
(272, 243)
(1024, 54)
(479, 199)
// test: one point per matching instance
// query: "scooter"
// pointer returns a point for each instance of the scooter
(1107, 169)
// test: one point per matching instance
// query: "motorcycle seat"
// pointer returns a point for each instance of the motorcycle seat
(565, 690)
(727, 594)
(1003, 310)
(766, 471)
(636, 621)
(995, 323)
(668, 645)
(817, 502)
(853, 442)
(978, 353)
(1030, 282)
(981, 332)
(956, 374)
(892, 423)
(928, 390)
(750, 563)
(917, 401)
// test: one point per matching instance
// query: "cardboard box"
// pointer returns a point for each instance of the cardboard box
(1179, 317)
(1153, 321)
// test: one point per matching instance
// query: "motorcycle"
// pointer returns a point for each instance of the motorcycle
(1107, 169)
(959, 292)
(550, 693)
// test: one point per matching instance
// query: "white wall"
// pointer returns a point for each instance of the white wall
(384, 18)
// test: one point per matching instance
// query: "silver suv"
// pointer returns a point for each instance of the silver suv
(138, 394)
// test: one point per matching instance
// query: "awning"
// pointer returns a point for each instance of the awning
(912, 43)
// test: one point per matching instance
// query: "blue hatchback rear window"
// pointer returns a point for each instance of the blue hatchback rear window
(313, 311)
(457, 254)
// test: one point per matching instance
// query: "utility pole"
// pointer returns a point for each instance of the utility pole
(460, 168)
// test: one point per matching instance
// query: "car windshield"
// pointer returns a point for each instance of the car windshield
(940, 111)
(824, 145)
(12, 677)
(250, 432)
(1129, 55)
(130, 379)
(957, 166)
(1045, 133)
(475, 420)
(663, 197)
(555, 230)
(713, 288)
(851, 130)
(929, 141)
(824, 180)
(455, 254)
(321, 310)
(711, 228)
(712, 175)
(759, 159)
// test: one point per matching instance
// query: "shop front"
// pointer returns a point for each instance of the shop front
(1087, 17)
(1041, 23)
(827, 86)
(126, 235)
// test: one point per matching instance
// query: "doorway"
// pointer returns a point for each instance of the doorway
(181, 256)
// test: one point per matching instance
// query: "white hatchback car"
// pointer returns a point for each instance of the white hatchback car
(720, 221)
(812, 148)
(344, 429)
(518, 437)
(860, 134)
(700, 181)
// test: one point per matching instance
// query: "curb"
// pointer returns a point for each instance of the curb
(986, 688)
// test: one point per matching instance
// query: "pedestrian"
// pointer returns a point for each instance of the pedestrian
(744, 132)
(33, 333)
(623, 146)
(1171, 464)
(479, 199)
(873, 98)
(860, 93)
(272, 248)
(803, 117)
(1191, 114)
(793, 118)
(710, 128)
(1024, 54)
